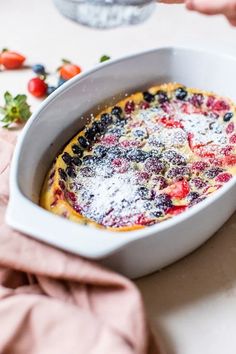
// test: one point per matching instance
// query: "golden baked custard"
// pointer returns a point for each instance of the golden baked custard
(148, 158)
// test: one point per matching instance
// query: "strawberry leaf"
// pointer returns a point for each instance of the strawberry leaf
(15, 110)
(104, 58)
(66, 61)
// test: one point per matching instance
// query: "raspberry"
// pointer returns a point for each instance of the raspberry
(230, 160)
(109, 140)
(230, 128)
(71, 196)
(177, 209)
(224, 177)
(129, 107)
(142, 176)
(163, 202)
(170, 122)
(120, 165)
(197, 99)
(210, 101)
(153, 164)
(200, 165)
(177, 171)
(178, 189)
(144, 105)
(220, 105)
(198, 183)
(232, 139)
(226, 150)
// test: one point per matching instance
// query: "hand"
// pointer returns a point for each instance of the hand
(214, 7)
(210, 7)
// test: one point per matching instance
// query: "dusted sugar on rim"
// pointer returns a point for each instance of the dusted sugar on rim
(148, 158)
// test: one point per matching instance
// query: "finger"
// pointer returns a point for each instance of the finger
(226, 7)
(232, 21)
(171, 1)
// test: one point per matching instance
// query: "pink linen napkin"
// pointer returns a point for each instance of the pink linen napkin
(52, 302)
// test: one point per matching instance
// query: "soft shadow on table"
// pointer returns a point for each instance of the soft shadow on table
(208, 270)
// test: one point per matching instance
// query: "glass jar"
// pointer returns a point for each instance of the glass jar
(106, 13)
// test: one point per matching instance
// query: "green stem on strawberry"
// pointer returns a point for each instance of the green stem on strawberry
(15, 110)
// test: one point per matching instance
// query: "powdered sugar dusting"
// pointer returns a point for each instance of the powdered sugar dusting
(144, 172)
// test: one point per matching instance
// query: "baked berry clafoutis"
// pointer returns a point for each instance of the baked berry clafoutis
(152, 156)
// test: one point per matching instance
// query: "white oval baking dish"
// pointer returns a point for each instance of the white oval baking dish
(62, 114)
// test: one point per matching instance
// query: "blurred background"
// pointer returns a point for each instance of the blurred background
(37, 30)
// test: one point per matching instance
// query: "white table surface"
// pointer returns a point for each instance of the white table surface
(191, 304)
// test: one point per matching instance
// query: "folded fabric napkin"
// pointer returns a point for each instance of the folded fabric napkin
(54, 302)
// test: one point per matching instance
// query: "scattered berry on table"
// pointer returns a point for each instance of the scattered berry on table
(69, 70)
(37, 87)
(11, 60)
(50, 89)
(61, 81)
(39, 69)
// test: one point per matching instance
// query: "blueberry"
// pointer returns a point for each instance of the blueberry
(148, 97)
(38, 69)
(192, 196)
(181, 93)
(116, 111)
(228, 116)
(125, 203)
(115, 152)
(154, 153)
(100, 151)
(196, 201)
(76, 161)
(50, 89)
(89, 159)
(71, 172)
(117, 131)
(66, 158)
(163, 202)
(147, 205)
(106, 118)
(76, 150)
(137, 155)
(60, 82)
(108, 172)
(98, 127)
(157, 214)
(143, 192)
(121, 121)
(87, 172)
(91, 133)
(162, 96)
(83, 142)
(213, 172)
(62, 174)
(139, 133)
